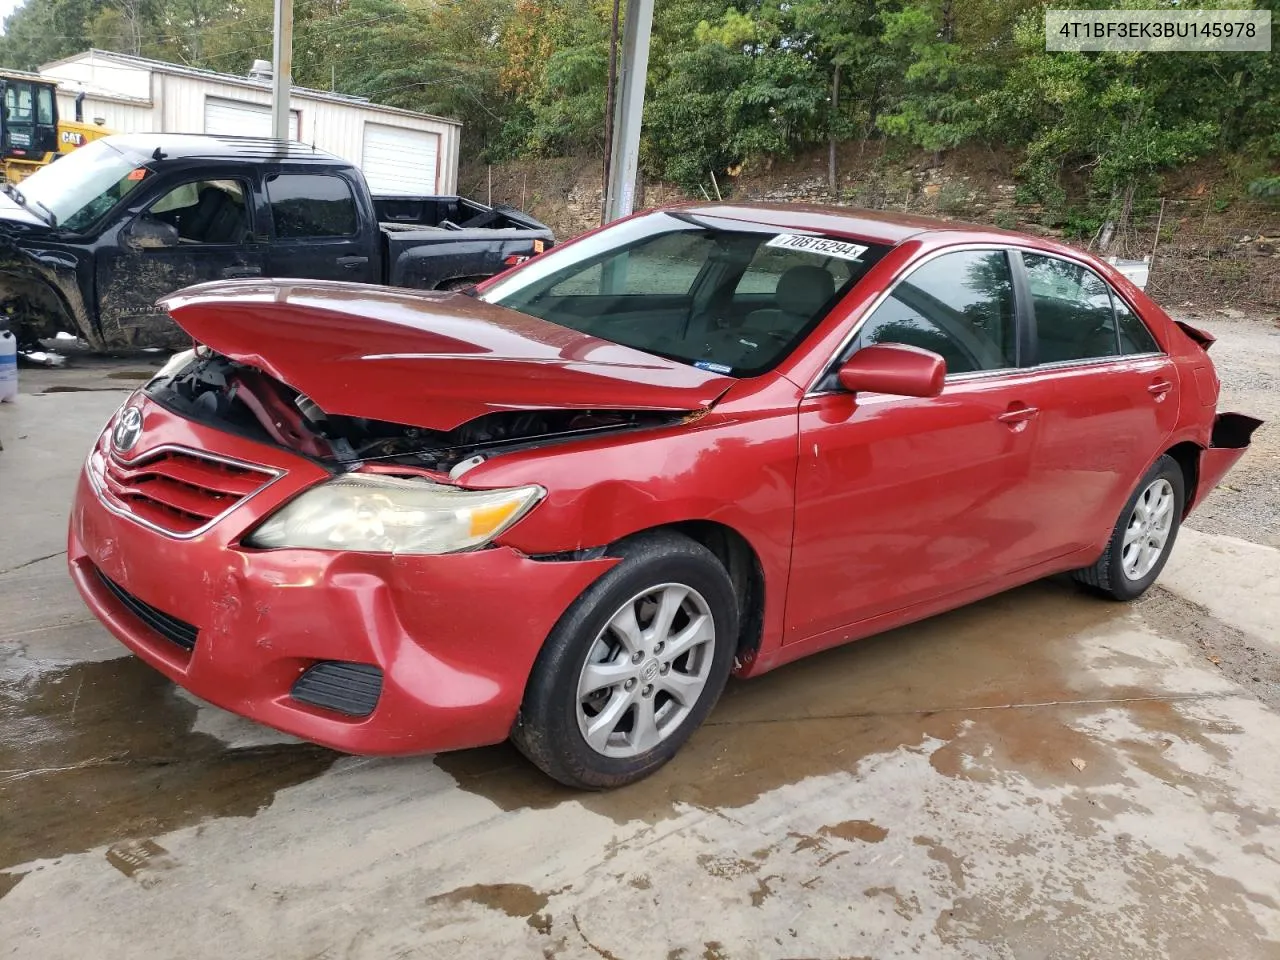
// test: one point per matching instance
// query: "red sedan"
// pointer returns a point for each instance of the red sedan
(702, 441)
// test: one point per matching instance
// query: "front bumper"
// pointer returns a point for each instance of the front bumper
(454, 636)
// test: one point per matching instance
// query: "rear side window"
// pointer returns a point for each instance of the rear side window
(1074, 317)
(1134, 335)
(959, 305)
(311, 206)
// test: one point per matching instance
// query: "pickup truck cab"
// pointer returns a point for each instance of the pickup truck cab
(90, 243)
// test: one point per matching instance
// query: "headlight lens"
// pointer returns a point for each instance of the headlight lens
(380, 514)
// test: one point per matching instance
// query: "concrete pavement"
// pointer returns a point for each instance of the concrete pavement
(1042, 774)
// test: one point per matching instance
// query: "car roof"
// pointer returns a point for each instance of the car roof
(207, 147)
(875, 226)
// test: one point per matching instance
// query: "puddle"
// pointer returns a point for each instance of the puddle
(99, 753)
(826, 713)
(513, 899)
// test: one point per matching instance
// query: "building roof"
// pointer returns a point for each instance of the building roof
(205, 146)
(198, 73)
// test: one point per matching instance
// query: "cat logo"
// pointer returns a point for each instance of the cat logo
(71, 138)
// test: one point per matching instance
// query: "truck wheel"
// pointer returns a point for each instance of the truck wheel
(1143, 537)
(461, 284)
(633, 667)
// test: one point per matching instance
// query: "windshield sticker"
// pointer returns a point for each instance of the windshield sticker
(819, 245)
(137, 173)
(712, 367)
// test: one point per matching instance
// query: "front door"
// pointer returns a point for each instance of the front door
(200, 230)
(900, 500)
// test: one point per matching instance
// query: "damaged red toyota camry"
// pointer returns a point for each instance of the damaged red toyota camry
(705, 440)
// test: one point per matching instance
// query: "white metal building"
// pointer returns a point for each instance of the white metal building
(399, 151)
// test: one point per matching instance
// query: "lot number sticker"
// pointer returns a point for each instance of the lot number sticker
(819, 245)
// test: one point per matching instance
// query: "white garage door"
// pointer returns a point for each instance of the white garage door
(231, 118)
(399, 161)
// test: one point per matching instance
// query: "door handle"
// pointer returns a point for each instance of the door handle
(1159, 389)
(1016, 416)
(350, 263)
(241, 273)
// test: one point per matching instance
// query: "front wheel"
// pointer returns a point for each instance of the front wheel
(633, 667)
(1143, 536)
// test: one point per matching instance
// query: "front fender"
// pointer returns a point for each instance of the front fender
(41, 290)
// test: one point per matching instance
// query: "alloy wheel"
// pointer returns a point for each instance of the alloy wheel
(646, 670)
(1148, 528)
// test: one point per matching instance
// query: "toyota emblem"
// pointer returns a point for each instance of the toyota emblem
(128, 428)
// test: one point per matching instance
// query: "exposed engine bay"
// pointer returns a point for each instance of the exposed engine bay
(233, 396)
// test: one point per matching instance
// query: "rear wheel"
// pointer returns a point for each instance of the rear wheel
(1143, 537)
(633, 667)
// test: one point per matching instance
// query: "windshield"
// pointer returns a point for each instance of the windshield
(723, 295)
(82, 186)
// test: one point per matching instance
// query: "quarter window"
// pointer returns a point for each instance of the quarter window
(959, 305)
(1134, 335)
(311, 206)
(1074, 316)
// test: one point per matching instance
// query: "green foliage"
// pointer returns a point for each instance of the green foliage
(735, 82)
(1266, 188)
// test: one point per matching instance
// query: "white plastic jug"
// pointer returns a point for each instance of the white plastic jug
(8, 364)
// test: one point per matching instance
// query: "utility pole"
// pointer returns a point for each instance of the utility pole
(624, 157)
(282, 70)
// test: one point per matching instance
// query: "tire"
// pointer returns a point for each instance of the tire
(661, 570)
(1127, 577)
(455, 285)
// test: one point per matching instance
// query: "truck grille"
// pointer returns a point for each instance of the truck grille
(174, 490)
(171, 628)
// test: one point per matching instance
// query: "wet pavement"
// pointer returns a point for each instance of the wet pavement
(1040, 775)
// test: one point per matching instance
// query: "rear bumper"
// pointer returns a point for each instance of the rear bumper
(455, 637)
(1227, 444)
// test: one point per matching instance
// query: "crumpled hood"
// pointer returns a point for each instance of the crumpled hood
(434, 360)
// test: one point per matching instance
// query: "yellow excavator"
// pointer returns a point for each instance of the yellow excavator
(31, 134)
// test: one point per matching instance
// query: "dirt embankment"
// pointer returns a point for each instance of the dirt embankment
(1208, 249)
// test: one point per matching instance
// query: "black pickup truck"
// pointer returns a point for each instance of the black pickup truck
(89, 243)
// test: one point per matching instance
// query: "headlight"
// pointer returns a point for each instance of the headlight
(380, 514)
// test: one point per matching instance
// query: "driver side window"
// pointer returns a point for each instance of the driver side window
(205, 212)
(959, 305)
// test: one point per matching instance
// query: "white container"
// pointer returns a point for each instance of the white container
(8, 365)
(1138, 271)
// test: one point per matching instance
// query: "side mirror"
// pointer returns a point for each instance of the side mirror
(148, 233)
(894, 368)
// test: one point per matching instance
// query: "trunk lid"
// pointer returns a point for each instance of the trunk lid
(433, 360)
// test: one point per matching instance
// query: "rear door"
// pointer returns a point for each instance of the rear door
(1107, 395)
(318, 232)
(199, 229)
